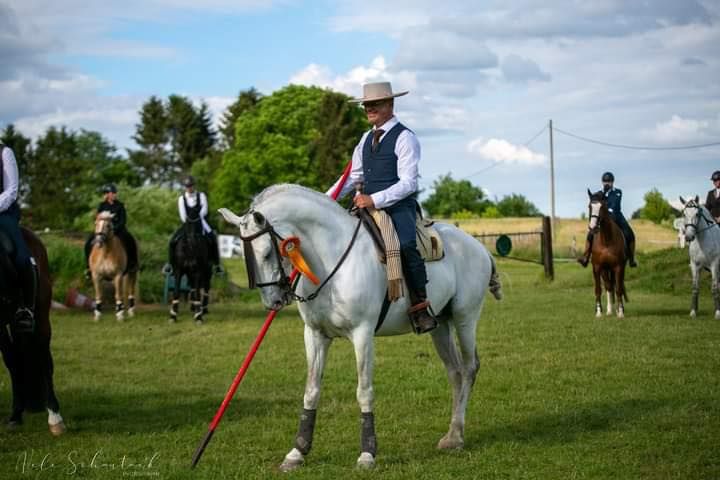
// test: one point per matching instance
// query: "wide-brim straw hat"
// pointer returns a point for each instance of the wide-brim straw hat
(373, 92)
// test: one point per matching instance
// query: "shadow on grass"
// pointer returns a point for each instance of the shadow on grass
(565, 427)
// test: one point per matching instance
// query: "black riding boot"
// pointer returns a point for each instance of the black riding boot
(25, 315)
(631, 254)
(585, 259)
(420, 318)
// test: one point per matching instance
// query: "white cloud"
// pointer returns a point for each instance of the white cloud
(423, 49)
(518, 69)
(349, 83)
(679, 130)
(502, 151)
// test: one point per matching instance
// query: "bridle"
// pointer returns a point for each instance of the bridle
(101, 237)
(284, 281)
(595, 215)
(709, 222)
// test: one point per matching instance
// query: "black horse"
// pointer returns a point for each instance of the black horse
(27, 355)
(191, 259)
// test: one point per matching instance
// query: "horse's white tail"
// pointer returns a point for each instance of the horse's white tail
(495, 285)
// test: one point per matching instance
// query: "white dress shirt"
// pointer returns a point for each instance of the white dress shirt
(10, 178)
(407, 149)
(190, 198)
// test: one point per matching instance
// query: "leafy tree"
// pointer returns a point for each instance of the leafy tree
(246, 100)
(451, 196)
(285, 139)
(22, 148)
(656, 208)
(516, 205)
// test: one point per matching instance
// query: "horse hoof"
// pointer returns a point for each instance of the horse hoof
(366, 461)
(57, 429)
(621, 314)
(598, 314)
(172, 320)
(693, 314)
(96, 316)
(450, 443)
(292, 461)
(717, 314)
(120, 317)
(199, 322)
(131, 312)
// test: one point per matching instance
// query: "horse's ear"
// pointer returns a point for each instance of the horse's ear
(589, 193)
(259, 218)
(230, 217)
(682, 200)
(697, 199)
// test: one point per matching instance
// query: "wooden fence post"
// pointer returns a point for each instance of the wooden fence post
(547, 252)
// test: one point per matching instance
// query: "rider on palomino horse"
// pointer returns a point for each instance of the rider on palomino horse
(386, 161)
(712, 202)
(113, 205)
(193, 205)
(614, 198)
(10, 226)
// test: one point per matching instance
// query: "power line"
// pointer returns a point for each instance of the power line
(634, 147)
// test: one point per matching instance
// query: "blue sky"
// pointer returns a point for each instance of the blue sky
(484, 76)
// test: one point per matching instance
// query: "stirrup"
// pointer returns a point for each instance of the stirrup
(25, 320)
(421, 319)
(167, 269)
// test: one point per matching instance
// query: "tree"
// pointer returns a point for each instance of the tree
(516, 205)
(451, 196)
(656, 208)
(246, 101)
(151, 134)
(22, 148)
(284, 139)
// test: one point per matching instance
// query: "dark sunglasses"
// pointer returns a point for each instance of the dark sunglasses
(374, 105)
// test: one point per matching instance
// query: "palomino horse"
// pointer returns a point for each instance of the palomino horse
(350, 304)
(108, 261)
(191, 259)
(27, 356)
(608, 256)
(703, 233)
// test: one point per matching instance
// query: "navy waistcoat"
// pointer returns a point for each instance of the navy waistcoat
(380, 169)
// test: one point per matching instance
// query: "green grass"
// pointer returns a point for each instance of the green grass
(560, 394)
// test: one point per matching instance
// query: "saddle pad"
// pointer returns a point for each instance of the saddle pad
(429, 241)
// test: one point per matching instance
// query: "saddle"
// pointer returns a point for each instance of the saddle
(7, 245)
(429, 242)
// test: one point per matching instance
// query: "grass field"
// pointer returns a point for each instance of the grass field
(560, 394)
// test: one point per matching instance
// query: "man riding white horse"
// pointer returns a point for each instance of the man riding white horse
(614, 199)
(10, 226)
(193, 206)
(385, 162)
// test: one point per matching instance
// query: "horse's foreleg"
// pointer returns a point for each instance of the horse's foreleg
(620, 289)
(176, 296)
(695, 270)
(316, 348)
(598, 290)
(55, 420)
(10, 357)
(119, 309)
(97, 310)
(364, 348)
(130, 283)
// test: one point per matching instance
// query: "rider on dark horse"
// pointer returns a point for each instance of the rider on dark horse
(193, 206)
(111, 204)
(614, 198)
(10, 226)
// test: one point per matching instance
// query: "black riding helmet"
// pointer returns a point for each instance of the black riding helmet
(189, 181)
(715, 175)
(109, 188)
(608, 177)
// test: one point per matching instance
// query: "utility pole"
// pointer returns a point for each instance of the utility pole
(552, 177)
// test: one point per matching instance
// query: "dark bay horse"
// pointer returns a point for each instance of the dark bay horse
(608, 256)
(27, 355)
(191, 259)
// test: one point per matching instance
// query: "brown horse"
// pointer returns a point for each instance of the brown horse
(27, 355)
(108, 261)
(608, 256)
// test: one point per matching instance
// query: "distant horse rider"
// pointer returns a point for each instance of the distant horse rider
(193, 205)
(712, 202)
(386, 161)
(111, 204)
(10, 226)
(614, 199)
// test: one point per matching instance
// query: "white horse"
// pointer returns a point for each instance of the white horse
(350, 303)
(703, 233)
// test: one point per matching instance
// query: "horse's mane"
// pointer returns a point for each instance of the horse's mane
(291, 188)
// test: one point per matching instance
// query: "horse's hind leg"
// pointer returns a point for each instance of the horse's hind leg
(176, 296)
(130, 283)
(609, 283)
(462, 367)
(620, 290)
(695, 270)
(316, 348)
(598, 290)
(715, 290)
(97, 309)
(55, 420)
(9, 355)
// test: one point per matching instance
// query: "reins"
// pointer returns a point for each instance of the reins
(284, 281)
(709, 223)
